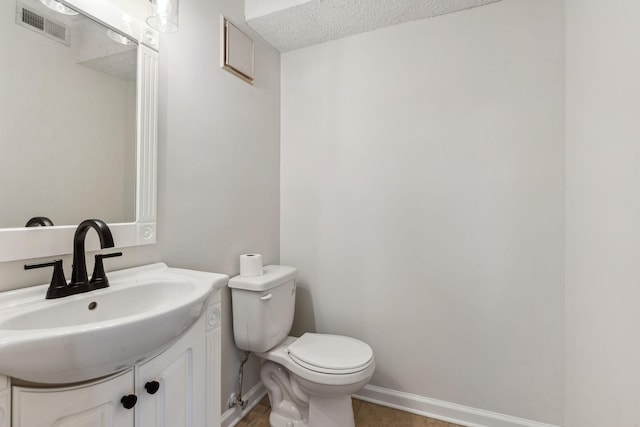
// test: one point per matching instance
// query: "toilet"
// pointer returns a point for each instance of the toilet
(310, 378)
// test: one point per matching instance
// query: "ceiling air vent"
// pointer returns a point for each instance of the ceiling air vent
(33, 20)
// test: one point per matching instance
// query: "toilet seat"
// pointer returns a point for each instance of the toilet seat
(330, 354)
(281, 356)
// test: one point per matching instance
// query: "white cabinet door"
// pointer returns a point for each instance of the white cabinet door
(179, 372)
(95, 404)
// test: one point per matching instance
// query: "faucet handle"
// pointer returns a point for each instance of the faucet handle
(58, 287)
(99, 277)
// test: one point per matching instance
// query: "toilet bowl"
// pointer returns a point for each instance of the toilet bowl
(317, 374)
(309, 379)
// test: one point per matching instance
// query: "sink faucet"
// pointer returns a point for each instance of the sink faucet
(79, 268)
(79, 280)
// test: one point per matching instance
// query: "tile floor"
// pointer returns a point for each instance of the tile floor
(366, 415)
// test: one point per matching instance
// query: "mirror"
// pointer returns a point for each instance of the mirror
(68, 115)
(78, 114)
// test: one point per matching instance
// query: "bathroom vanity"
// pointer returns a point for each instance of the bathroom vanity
(143, 381)
(186, 376)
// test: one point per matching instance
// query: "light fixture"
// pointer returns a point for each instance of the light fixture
(165, 16)
(119, 38)
(58, 7)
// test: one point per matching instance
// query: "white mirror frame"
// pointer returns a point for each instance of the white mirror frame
(38, 242)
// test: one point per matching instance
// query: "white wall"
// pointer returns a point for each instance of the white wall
(422, 201)
(603, 214)
(219, 189)
(218, 172)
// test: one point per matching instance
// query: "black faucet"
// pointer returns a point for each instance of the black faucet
(79, 269)
(79, 280)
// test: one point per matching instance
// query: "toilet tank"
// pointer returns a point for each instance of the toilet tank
(263, 307)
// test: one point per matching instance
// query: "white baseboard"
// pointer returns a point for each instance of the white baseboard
(440, 410)
(415, 404)
(232, 416)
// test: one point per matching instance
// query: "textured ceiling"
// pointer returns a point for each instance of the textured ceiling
(292, 24)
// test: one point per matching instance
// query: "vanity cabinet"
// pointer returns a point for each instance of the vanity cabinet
(178, 387)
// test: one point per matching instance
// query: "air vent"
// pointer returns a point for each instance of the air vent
(33, 20)
(56, 30)
(30, 18)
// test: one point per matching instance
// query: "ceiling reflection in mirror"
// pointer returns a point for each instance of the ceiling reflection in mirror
(67, 118)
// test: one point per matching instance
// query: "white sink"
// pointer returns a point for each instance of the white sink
(89, 335)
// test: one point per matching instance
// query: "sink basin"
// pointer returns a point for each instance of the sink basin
(89, 335)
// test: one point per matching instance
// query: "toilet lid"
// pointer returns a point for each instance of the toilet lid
(332, 354)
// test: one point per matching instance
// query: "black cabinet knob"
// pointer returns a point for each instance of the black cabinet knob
(129, 401)
(152, 387)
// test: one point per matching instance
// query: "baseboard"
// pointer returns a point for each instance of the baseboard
(415, 404)
(440, 410)
(232, 416)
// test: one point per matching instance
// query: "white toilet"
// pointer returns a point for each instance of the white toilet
(309, 379)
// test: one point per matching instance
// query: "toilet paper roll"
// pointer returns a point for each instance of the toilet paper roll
(250, 265)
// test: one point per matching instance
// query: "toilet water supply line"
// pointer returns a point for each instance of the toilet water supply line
(237, 398)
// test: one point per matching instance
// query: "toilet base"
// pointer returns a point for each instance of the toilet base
(277, 420)
(291, 406)
(323, 412)
(331, 411)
